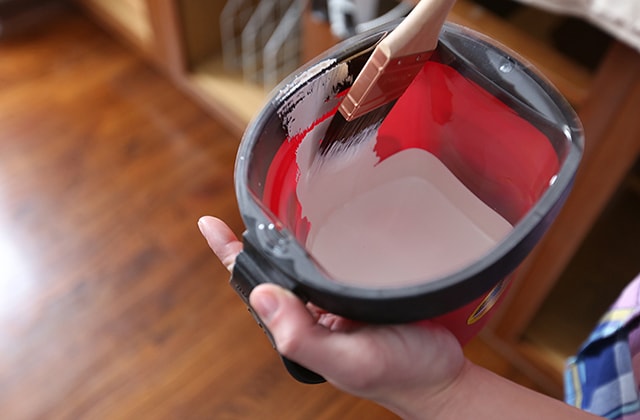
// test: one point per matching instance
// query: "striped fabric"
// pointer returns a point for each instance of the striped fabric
(601, 378)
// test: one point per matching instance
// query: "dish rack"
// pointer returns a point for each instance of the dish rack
(262, 39)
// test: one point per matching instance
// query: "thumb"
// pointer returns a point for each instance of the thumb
(287, 318)
(299, 337)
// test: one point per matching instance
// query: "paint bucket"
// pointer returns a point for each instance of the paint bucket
(498, 127)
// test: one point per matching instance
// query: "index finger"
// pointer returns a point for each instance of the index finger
(221, 239)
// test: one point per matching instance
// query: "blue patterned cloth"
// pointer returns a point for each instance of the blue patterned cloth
(601, 378)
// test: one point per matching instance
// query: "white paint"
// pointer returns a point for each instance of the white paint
(305, 98)
(402, 221)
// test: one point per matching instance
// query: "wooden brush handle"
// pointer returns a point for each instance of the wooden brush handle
(419, 31)
(396, 59)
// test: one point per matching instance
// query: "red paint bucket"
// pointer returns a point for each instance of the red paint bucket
(497, 126)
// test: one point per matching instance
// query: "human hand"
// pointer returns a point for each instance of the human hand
(398, 366)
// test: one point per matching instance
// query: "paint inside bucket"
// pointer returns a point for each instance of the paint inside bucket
(440, 205)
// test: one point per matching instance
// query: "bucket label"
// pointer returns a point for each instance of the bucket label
(488, 302)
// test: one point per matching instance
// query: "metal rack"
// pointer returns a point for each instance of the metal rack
(281, 54)
(261, 39)
(233, 19)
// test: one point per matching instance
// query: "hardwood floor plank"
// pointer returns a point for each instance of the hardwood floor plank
(111, 304)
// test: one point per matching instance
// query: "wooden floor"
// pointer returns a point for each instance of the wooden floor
(111, 304)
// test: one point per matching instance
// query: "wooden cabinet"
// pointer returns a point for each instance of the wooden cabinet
(182, 38)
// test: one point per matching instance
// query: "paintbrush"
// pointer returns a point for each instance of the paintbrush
(392, 66)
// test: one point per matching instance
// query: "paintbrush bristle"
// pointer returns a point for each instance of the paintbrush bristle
(341, 134)
(389, 70)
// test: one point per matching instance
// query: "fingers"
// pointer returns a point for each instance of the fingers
(222, 241)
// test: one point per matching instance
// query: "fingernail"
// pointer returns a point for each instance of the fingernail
(265, 306)
(201, 225)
